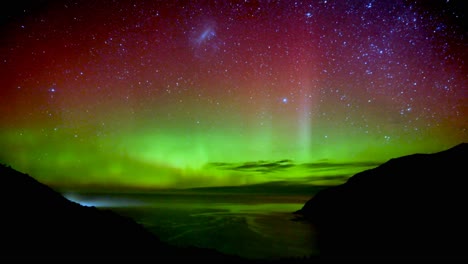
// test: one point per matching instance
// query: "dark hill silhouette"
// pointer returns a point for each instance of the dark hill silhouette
(39, 223)
(414, 206)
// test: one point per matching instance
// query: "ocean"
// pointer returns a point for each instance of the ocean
(254, 226)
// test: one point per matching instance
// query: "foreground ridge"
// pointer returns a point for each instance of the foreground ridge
(39, 223)
(409, 207)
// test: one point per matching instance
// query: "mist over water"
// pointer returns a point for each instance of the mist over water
(249, 225)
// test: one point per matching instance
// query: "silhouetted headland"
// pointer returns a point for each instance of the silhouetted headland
(409, 207)
(39, 223)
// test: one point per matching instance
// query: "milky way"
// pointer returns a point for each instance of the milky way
(183, 94)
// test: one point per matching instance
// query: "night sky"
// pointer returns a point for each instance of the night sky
(155, 94)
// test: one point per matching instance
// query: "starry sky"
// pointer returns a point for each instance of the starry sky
(176, 94)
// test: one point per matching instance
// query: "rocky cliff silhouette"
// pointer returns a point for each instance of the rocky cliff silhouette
(38, 223)
(412, 207)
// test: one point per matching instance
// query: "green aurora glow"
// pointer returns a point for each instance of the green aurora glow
(214, 103)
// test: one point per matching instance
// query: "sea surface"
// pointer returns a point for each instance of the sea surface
(248, 225)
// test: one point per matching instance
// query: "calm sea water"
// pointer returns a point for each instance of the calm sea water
(251, 226)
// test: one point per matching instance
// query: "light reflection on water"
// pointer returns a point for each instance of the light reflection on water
(252, 226)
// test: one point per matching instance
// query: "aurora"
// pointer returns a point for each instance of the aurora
(175, 94)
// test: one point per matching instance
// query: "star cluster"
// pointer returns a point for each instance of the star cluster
(150, 93)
